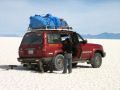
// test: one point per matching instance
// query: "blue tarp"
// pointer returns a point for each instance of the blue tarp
(48, 21)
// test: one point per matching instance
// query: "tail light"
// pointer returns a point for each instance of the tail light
(21, 49)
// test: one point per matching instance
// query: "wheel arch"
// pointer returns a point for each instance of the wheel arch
(58, 52)
(99, 51)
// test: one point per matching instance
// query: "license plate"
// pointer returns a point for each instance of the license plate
(30, 51)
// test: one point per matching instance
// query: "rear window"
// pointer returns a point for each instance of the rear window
(32, 38)
(54, 38)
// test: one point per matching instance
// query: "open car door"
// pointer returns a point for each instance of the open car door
(76, 45)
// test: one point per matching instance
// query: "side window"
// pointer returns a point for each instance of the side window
(54, 38)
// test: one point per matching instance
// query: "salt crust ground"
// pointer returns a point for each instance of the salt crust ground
(83, 77)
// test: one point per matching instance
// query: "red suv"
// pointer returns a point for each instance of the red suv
(46, 46)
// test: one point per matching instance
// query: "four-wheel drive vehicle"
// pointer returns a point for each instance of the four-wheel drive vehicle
(46, 46)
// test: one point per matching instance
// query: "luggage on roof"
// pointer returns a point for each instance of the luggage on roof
(49, 21)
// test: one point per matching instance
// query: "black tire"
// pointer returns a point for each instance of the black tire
(25, 65)
(74, 65)
(45, 68)
(58, 62)
(96, 60)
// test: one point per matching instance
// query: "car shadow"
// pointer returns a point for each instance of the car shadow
(21, 68)
(82, 66)
(14, 67)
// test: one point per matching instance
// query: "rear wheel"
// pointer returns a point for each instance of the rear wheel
(45, 68)
(25, 65)
(96, 60)
(58, 62)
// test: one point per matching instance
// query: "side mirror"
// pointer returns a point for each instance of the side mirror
(84, 41)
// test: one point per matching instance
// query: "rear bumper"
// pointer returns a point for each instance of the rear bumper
(33, 60)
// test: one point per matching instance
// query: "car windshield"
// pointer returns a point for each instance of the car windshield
(32, 38)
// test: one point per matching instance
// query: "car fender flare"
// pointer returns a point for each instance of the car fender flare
(58, 52)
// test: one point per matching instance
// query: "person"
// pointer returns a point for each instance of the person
(40, 67)
(67, 48)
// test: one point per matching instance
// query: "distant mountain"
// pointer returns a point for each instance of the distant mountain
(103, 36)
(99, 36)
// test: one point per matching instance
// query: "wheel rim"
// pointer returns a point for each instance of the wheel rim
(97, 60)
(59, 63)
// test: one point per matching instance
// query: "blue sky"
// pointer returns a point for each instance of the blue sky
(85, 16)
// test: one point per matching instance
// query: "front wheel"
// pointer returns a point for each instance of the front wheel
(96, 60)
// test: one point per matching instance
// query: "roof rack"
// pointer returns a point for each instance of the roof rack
(62, 28)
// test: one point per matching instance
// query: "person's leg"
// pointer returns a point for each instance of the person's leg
(51, 66)
(40, 66)
(65, 64)
(70, 64)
